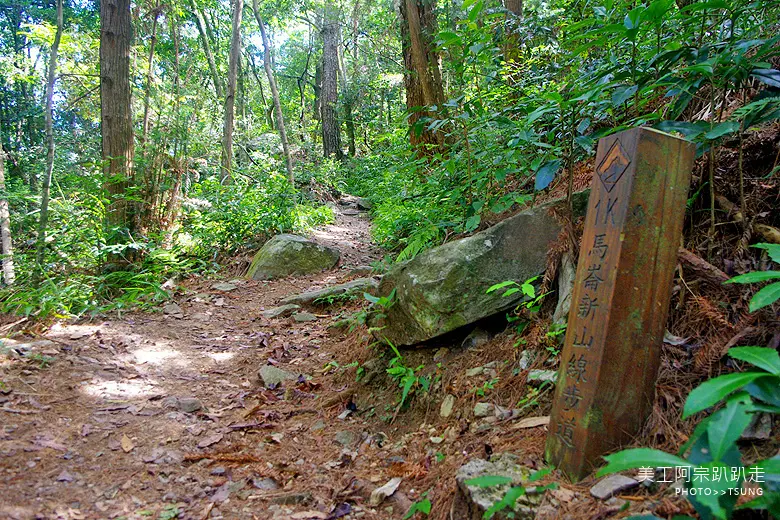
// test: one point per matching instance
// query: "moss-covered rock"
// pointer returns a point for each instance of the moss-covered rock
(445, 287)
(286, 255)
(472, 501)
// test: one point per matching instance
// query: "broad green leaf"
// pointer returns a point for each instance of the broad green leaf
(634, 18)
(769, 77)
(449, 38)
(489, 481)
(766, 390)
(623, 94)
(422, 506)
(755, 277)
(726, 426)
(476, 10)
(640, 458)
(689, 130)
(539, 474)
(500, 285)
(700, 430)
(769, 465)
(766, 296)
(508, 501)
(762, 357)
(715, 390)
(718, 500)
(772, 249)
(656, 10)
(546, 174)
(721, 129)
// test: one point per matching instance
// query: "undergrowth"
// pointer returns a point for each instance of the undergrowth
(76, 276)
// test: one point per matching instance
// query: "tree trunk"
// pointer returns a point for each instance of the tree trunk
(422, 77)
(514, 6)
(349, 116)
(51, 77)
(257, 78)
(331, 135)
(351, 89)
(149, 76)
(318, 91)
(230, 95)
(512, 48)
(204, 40)
(274, 93)
(116, 110)
(5, 224)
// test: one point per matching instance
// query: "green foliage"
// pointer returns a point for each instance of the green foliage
(486, 481)
(713, 445)
(771, 292)
(75, 277)
(169, 513)
(408, 379)
(41, 360)
(408, 215)
(422, 506)
(225, 217)
(513, 493)
(335, 298)
(486, 387)
(516, 119)
(530, 301)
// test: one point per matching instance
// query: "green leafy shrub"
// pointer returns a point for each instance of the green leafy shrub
(712, 449)
(225, 217)
(407, 378)
(769, 294)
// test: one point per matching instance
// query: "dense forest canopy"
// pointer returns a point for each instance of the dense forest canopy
(147, 139)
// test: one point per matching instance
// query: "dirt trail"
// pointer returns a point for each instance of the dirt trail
(109, 427)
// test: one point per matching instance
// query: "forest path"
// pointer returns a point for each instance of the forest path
(110, 427)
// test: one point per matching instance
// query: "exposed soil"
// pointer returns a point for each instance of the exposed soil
(95, 424)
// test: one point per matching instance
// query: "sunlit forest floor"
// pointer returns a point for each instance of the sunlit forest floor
(163, 414)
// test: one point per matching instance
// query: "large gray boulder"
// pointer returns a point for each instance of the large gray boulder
(444, 288)
(286, 255)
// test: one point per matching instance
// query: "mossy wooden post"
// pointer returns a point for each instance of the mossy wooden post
(620, 298)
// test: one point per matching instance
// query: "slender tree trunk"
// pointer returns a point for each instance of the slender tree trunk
(275, 94)
(116, 110)
(302, 87)
(168, 214)
(350, 123)
(331, 135)
(352, 93)
(512, 38)
(200, 23)
(422, 77)
(230, 95)
(240, 130)
(318, 91)
(514, 6)
(51, 77)
(5, 226)
(257, 78)
(149, 75)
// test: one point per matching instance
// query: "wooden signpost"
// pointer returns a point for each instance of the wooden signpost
(620, 298)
